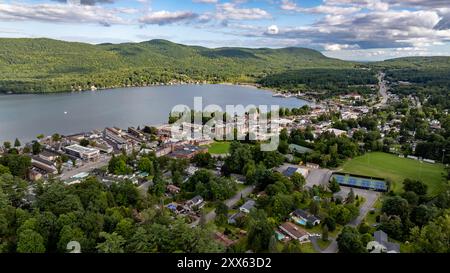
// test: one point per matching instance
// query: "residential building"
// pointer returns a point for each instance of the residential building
(381, 244)
(250, 204)
(303, 217)
(291, 170)
(197, 201)
(295, 232)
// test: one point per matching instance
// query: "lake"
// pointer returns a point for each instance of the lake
(25, 116)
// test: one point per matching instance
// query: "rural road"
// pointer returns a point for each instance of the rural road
(230, 203)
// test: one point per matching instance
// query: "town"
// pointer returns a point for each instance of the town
(297, 198)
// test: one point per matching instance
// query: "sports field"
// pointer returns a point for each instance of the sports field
(219, 148)
(396, 169)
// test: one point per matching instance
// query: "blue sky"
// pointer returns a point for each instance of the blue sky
(347, 29)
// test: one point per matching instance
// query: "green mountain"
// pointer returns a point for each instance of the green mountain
(45, 65)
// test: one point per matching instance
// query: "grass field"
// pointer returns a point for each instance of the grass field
(219, 148)
(396, 169)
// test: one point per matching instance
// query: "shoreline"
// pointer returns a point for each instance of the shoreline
(246, 85)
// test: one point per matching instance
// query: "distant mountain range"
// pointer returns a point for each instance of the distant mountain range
(45, 65)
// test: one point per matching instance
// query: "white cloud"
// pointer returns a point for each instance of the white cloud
(337, 47)
(325, 9)
(229, 11)
(164, 17)
(62, 13)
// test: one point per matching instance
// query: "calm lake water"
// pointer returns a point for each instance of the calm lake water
(25, 116)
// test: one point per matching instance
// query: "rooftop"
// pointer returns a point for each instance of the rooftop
(81, 149)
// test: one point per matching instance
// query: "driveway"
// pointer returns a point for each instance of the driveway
(230, 203)
(370, 199)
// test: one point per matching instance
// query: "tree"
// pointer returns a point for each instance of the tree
(415, 186)
(56, 198)
(18, 165)
(141, 242)
(330, 223)
(273, 245)
(17, 143)
(113, 243)
(84, 142)
(7, 145)
(432, 238)
(334, 186)
(393, 226)
(314, 207)
(36, 147)
(221, 213)
(4, 170)
(125, 193)
(203, 160)
(118, 166)
(68, 234)
(349, 241)
(29, 241)
(395, 206)
(146, 165)
(56, 137)
(259, 231)
(298, 180)
(40, 136)
(325, 233)
(350, 197)
(283, 147)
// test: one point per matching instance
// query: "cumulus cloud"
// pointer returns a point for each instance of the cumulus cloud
(325, 9)
(391, 29)
(230, 11)
(60, 13)
(337, 47)
(378, 5)
(421, 3)
(86, 2)
(167, 17)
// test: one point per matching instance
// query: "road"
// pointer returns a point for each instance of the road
(370, 198)
(230, 203)
(87, 167)
(382, 90)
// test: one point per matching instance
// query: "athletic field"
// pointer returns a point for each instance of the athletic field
(396, 169)
(219, 148)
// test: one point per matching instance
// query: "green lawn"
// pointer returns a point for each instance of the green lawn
(307, 248)
(219, 148)
(396, 169)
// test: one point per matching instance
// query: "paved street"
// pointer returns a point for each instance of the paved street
(370, 199)
(86, 168)
(383, 90)
(370, 196)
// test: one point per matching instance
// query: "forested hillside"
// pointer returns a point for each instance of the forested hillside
(44, 65)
